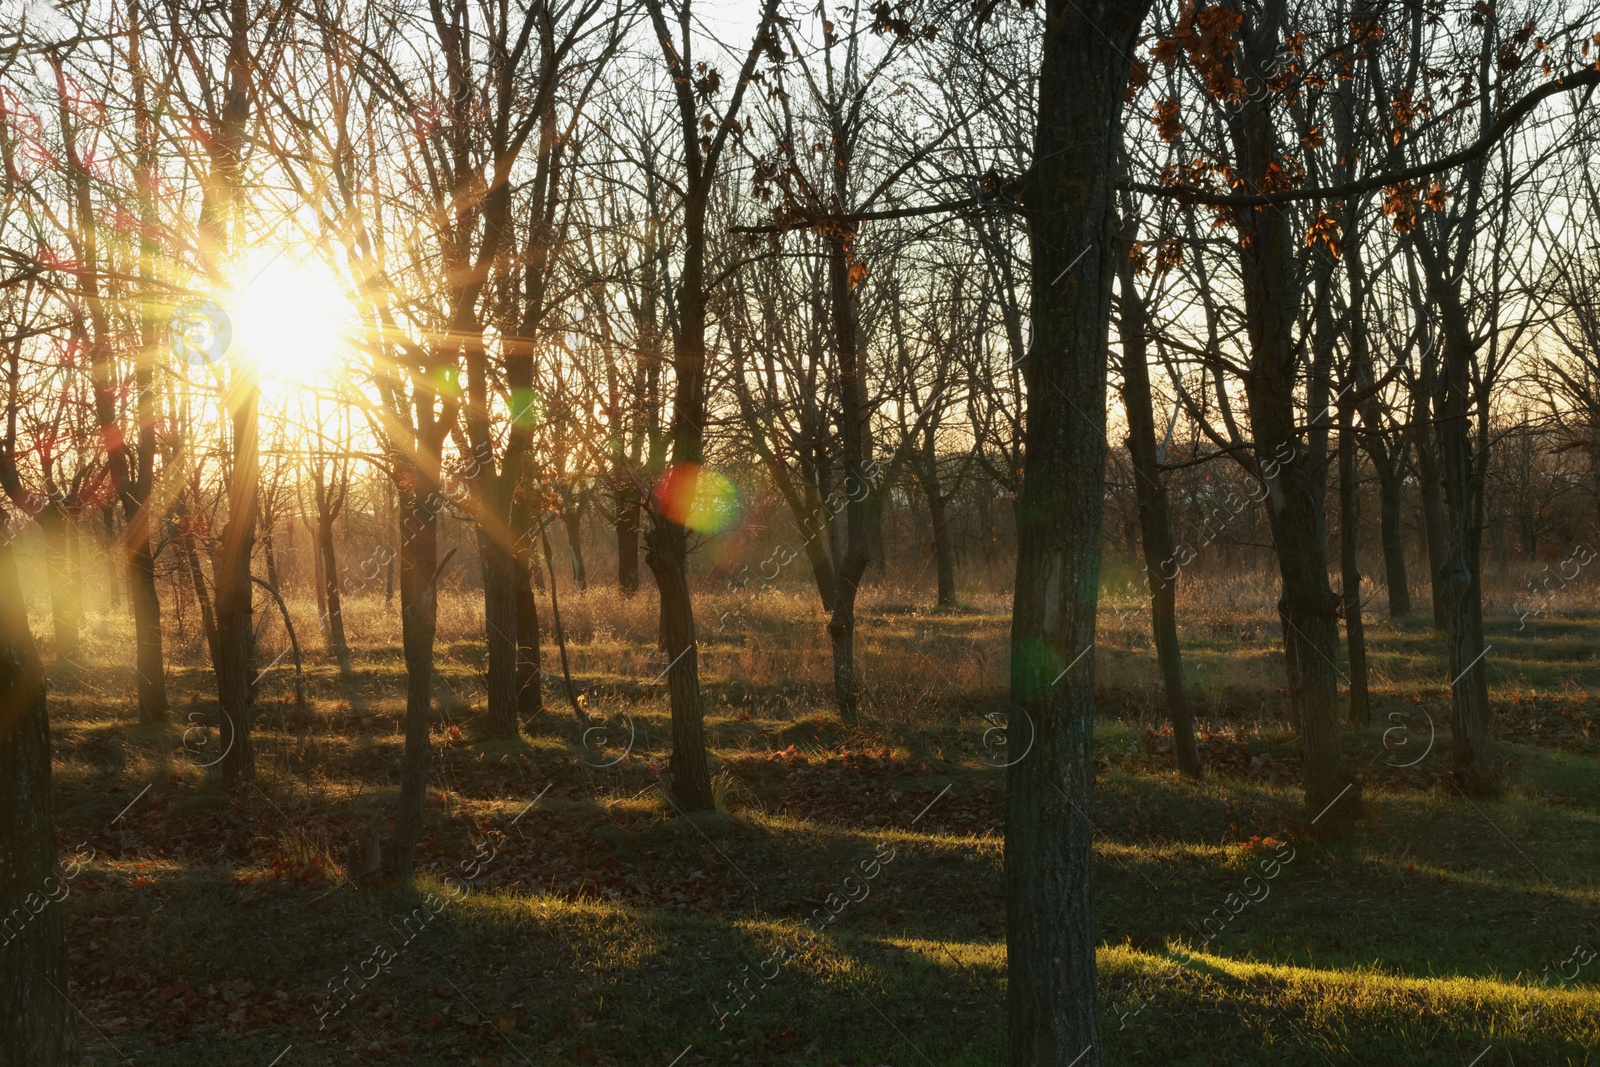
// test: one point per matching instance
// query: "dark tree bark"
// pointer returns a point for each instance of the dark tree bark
(1429, 486)
(667, 542)
(337, 645)
(1387, 450)
(231, 568)
(149, 656)
(419, 566)
(1391, 530)
(38, 1025)
(500, 602)
(944, 545)
(627, 528)
(1294, 470)
(1463, 467)
(855, 442)
(1360, 707)
(1155, 521)
(1050, 940)
(234, 596)
(691, 777)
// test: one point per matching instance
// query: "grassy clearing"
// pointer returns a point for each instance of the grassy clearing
(605, 928)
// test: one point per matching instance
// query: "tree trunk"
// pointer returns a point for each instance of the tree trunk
(202, 595)
(1293, 471)
(501, 632)
(1392, 532)
(38, 1025)
(235, 594)
(627, 527)
(1050, 941)
(666, 549)
(842, 638)
(1155, 520)
(944, 545)
(1432, 522)
(64, 613)
(270, 553)
(319, 579)
(862, 522)
(1462, 469)
(530, 685)
(232, 653)
(1360, 708)
(572, 520)
(333, 625)
(148, 655)
(419, 561)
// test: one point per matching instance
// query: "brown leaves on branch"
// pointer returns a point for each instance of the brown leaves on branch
(1403, 203)
(1324, 231)
(1168, 254)
(1166, 120)
(893, 20)
(708, 84)
(1207, 36)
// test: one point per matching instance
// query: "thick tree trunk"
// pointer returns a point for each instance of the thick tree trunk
(235, 594)
(1293, 460)
(149, 655)
(1360, 707)
(862, 522)
(666, 545)
(842, 638)
(1050, 940)
(500, 631)
(627, 527)
(1462, 471)
(38, 1025)
(233, 650)
(419, 561)
(333, 625)
(1311, 640)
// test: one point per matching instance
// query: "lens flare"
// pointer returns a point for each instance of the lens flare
(700, 499)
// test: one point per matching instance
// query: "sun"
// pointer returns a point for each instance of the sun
(290, 318)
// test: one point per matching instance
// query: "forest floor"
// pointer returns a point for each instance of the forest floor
(850, 888)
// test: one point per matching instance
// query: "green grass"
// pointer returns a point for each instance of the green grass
(607, 926)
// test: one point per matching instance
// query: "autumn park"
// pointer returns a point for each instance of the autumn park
(942, 533)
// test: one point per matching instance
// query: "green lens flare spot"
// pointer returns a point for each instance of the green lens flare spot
(700, 499)
(527, 408)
